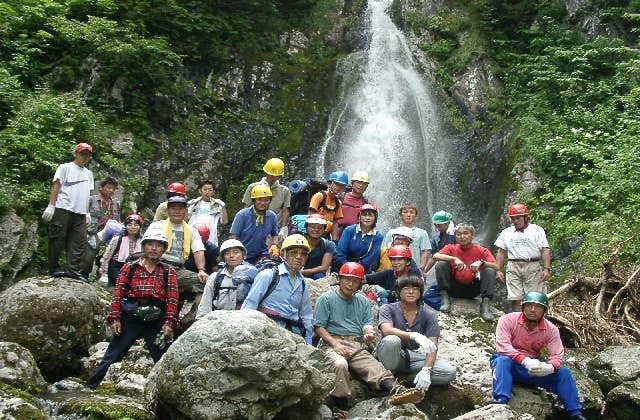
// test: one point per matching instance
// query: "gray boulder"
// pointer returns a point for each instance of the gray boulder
(494, 412)
(56, 319)
(239, 364)
(623, 401)
(615, 365)
(18, 244)
(97, 406)
(17, 404)
(379, 408)
(18, 368)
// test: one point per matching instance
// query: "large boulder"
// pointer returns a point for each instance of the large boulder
(379, 408)
(615, 365)
(18, 243)
(18, 404)
(239, 364)
(623, 401)
(57, 319)
(494, 412)
(18, 368)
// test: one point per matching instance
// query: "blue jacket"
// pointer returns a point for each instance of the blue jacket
(364, 249)
(448, 239)
(287, 301)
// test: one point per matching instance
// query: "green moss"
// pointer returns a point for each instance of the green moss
(8, 390)
(100, 410)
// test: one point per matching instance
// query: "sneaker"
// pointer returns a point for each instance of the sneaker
(399, 394)
(498, 401)
(338, 414)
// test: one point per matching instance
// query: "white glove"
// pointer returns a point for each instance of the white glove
(284, 231)
(543, 369)
(426, 344)
(87, 217)
(47, 215)
(423, 379)
(530, 364)
(219, 202)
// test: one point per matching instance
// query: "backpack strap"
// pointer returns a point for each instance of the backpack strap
(165, 273)
(216, 286)
(272, 285)
(115, 252)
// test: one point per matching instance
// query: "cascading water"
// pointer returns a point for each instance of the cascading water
(387, 124)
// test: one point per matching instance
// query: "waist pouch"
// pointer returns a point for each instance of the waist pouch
(146, 310)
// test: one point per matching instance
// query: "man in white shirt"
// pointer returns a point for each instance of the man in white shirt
(525, 244)
(67, 213)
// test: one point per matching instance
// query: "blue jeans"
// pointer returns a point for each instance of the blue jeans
(131, 329)
(506, 372)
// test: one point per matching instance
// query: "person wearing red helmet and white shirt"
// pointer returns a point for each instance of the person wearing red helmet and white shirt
(174, 189)
(525, 244)
(466, 270)
(67, 212)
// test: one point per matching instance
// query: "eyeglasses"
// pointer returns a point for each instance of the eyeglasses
(406, 288)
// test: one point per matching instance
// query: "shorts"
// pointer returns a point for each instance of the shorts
(523, 277)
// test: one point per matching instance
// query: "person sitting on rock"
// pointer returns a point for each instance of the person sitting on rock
(144, 305)
(328, 204)
(227, 287)
(399, 236)
(411, 334)
(361, 242)
(401, 264)
(322, 250)
(466, 270)
(344, 323)
(520, 337)
(281, 292)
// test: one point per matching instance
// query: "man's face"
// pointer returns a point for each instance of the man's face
(464, 237)
(359, 187)
(296, 257)
(400, 240)
(153, 250)
(176, 212)
(533, 311)
(441, 227)
(82, 158)
(107, 190)
(233, 257)
(410, 294)
(315, 230)
(207, 191)
(336, 188)
(399, 264)
(261, 204)
(518, 221)
(348, 285)
(408, 216)
(271, 179)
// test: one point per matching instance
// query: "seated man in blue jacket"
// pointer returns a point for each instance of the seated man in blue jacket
(281, 293)
(402, 264)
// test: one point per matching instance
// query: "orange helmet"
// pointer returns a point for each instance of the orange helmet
(177, 188)
(352, 269)
(518, 210)
(399, 251)
(203, 230)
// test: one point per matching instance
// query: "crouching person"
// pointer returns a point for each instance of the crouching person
(144, 305)
(411, 334)
(344, 323)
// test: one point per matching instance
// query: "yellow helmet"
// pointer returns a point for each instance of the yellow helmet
(361, 176)
(274, 166)
(260, 191)
(295, 240)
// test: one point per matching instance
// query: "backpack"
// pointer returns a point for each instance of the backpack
(301, 199)
(271, 264)
(131, 257)
(217, 286)
(165, 273)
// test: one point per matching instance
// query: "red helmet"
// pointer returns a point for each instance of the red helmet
(177, 188)
(352, 269)
(203, 230)
(518, 210)
(399, 251)
(133, 217)
(368, 206)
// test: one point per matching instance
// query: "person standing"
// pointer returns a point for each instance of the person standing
(208, 210)
(353, 200)
(120, 248)
(280, 194)
(174, 189)
(520, 338)
(102, 208)
(67, 213)
(525, 244)
(410, 337)
(441, 222)
(328, 204)
(144, 305)
(420, 244)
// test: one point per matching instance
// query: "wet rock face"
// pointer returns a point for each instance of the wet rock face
(623, 401)
(56, 319)
(18, 367)
(18, 244)
(239, 364)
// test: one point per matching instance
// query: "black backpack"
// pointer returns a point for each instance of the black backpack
(272, 264)
(300, 200)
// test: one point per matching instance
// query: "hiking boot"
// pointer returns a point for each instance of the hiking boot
(338, 414)
(445, 304)
(498, 401)
(399, 394)
(485, 312)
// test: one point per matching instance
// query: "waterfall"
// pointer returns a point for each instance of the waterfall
(386, 123)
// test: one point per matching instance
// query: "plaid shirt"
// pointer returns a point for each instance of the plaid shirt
(146, 285)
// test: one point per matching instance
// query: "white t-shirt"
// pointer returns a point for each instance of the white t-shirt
(177, 237)
(201, 213)
(76, 184)
(522, 245)
(420, 243)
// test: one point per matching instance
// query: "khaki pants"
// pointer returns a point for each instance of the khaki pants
(361, 362)
(523, 277)
(188, 281)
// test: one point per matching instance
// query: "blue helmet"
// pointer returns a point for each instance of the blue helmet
(340, 177)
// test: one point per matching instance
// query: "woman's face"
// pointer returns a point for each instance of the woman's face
(233, 257)
(132, 228)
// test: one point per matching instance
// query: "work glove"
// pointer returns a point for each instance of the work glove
(47, 215)
(423, 379)
(274, 251)
(530, 364)
(219, 202)
(284, 231)
(87, 217)
(426, 344)
(543, 369)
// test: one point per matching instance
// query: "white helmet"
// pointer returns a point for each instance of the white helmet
(155, 235)
(232, 243)
(403, 231)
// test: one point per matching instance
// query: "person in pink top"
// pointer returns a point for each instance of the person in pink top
(466, 270)
(520, 339)
(353, 200)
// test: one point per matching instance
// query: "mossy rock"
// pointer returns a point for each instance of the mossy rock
(18, 404)
(102, 407)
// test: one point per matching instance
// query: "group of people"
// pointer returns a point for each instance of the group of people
(178, 255)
